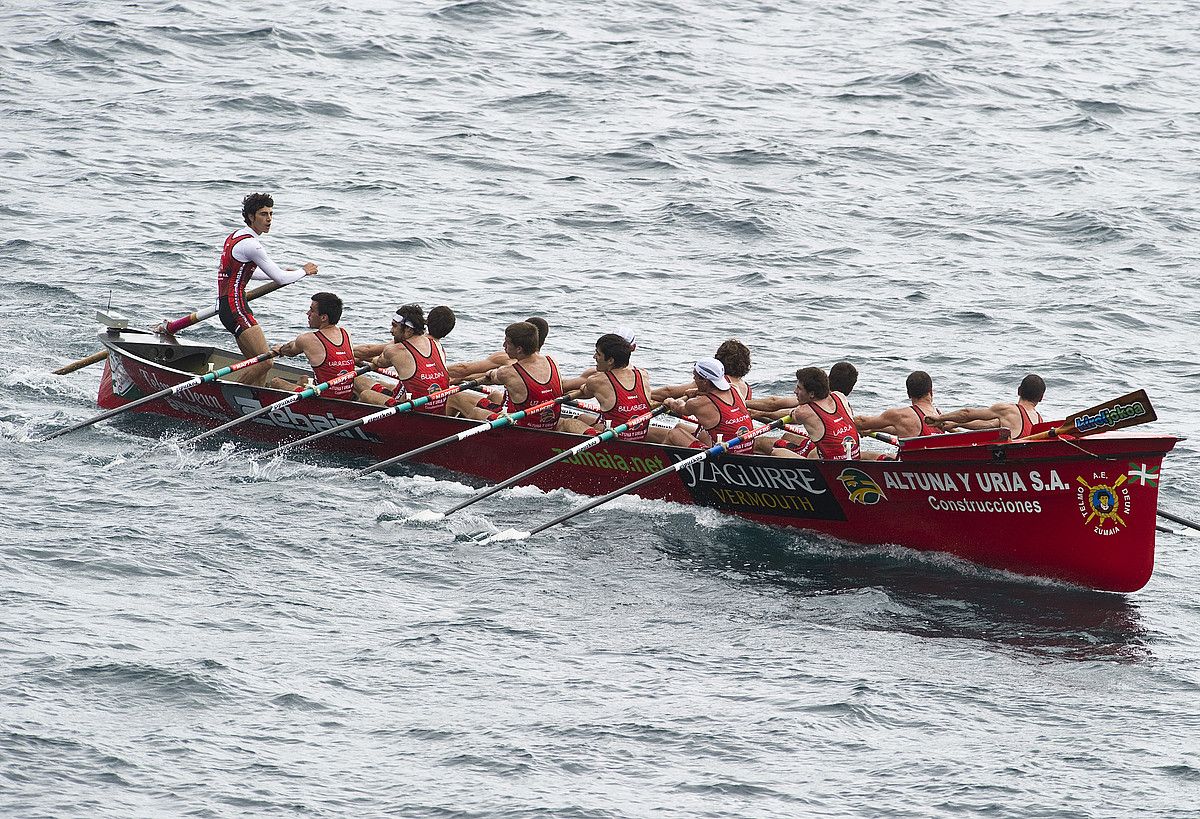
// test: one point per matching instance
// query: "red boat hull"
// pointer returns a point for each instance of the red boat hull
(1080, 512)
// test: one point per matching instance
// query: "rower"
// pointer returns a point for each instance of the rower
(531, 378)
(621, 390)
(416, 357)
(465, 370)
(327, 349)
(243, 259)
(1018, 418)
(826, 417)
(734, 357)
(717, 407)
(909, 421)
(440, 322)
(842, 377)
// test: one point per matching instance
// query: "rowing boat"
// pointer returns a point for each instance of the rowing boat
(1078, 511)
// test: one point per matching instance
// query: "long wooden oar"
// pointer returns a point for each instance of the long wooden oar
(375, 416)
(1119, 413)
(607, 435)
(178, 388)
(1181, 521)
(307, 392)
(170, 327)
(486, 426)
(86, 361)
(713, 451)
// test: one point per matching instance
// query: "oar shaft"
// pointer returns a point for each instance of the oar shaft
(170, 327)
(174, 326)
(375, 416)
(175, 390)
(1177, 519)
(607, 435)
(99, 355)
(308, 392)
(486, 426)
(718, 449)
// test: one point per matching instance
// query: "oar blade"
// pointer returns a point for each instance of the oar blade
(1119, 413)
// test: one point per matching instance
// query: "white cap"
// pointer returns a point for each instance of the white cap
(627, 334)
(399, 319)
(713, 372)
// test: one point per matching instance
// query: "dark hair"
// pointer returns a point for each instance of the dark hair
(814, 381)
(735, 356)
(543, 329)
(253, 203)
(329, 305)
(1032, 388)
(524, 335)
(413, 315)
(918, 384)
(611, 345)
(843, 377)
(440, 321)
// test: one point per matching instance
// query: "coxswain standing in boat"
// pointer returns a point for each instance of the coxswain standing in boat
(826, 416)
(717, 407)
(327, 348)
(242, 259)
(909, 421)
(417, 359)
(1019, 418)
(531, 378)
(621, 390)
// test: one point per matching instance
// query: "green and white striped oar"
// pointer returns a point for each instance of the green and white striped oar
(307, 392)
(607, 435)
(178, 388)
(375, 416)
(486, 426)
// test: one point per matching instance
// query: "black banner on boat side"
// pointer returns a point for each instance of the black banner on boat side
(786, 488)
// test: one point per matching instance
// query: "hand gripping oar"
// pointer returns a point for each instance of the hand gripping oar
(713, 451)
(375, 416)
(486, 426)
(608, 435)
(178, 388)
(171, 327)
(307, 392)
(1126, 411)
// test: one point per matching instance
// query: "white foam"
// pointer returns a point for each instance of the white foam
(505, 535)
(425, 516)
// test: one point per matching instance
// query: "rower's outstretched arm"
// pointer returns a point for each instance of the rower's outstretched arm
(661, 394)
(365, 352)
(883, 422)
(968, 418)
(772, 404)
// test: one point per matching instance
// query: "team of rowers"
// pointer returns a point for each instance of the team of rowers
(716, 405)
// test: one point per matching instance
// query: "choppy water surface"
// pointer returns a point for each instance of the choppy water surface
(972, 189)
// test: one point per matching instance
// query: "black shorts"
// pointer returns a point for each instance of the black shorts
(235, 314)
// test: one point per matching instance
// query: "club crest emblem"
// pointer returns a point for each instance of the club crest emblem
(861, 487)
(1104, 506)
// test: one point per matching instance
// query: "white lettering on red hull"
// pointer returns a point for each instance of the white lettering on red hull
(286, 418)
